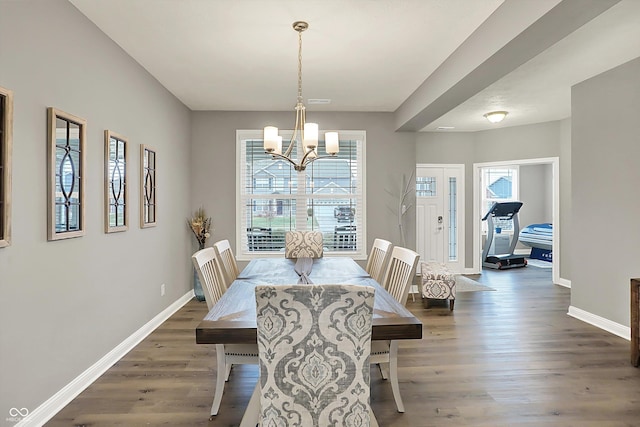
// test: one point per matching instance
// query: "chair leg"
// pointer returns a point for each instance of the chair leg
(220, 378)
(384, 370)
(228, 371)
(252, 413)
(374, 421)
(451, 302)
(393, 374)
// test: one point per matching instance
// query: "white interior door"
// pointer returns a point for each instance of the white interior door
(440, 214)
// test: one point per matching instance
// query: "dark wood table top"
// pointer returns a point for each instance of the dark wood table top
(233, 319)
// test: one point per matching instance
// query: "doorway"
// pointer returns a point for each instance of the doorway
(553, 163)
(440, 214)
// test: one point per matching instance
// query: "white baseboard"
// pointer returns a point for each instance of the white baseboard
(564, 282)
(55, 403)
(600, 322)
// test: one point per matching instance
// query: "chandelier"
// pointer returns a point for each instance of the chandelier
(304, 132)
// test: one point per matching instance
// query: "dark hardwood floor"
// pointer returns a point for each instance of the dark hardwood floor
(510, 357)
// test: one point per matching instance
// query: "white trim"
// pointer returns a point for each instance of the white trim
(477, 215)
(600, 322)
(360, 197)
(58, 401)
(564, 282)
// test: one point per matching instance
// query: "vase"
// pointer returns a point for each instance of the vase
(197, 286)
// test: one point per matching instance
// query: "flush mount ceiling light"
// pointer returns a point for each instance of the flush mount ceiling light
(496, 116)
(305, 135)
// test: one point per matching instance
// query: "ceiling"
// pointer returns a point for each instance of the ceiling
(432, 62)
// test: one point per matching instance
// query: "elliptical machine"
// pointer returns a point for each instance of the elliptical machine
(503, 211)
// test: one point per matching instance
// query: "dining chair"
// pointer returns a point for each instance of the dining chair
(207, 265)
(314, 343)
(303, 244)
(398, 279)
(378, 259)
(227, 261)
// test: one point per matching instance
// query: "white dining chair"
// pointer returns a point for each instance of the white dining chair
(378, 259)
(227, 261)
(314, 343)
(398, 279)
(206, 263)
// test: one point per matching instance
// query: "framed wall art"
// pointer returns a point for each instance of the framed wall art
(6, 140)
(116, 191)
(66, 177)
(148, 201)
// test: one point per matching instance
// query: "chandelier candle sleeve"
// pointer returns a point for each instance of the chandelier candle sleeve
(270, 138)
(332, 144)
(310, 136)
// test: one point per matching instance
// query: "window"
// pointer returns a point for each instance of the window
(273, 198)
(499, 185)
(6, 127)
(116, 193)
(66, 181)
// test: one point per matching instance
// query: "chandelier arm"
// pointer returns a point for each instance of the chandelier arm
(275, 156)
(313, 159)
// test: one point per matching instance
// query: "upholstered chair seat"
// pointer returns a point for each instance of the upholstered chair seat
(303, 244)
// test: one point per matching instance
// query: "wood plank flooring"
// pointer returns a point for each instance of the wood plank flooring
(510, 357)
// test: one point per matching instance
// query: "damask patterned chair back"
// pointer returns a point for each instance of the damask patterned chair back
(378, 258)
(227, 261)
(401, 273)
(303, 244)
(206, 264)
(314, 343)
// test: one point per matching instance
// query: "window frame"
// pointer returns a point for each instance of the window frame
(6, 146)
(360, 253)
(515, 192)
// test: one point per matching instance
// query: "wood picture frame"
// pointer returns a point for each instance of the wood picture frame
(116, 190)
(6, 146)
(66, 136)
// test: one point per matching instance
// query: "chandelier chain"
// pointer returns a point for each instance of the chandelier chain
(299, 66)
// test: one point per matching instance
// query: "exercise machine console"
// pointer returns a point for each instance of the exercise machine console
(503, 211)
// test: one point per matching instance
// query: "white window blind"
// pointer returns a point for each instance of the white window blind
(273, 198)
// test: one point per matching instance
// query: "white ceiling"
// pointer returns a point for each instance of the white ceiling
(364, 55)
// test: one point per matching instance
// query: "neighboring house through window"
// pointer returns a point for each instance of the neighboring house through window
(274, 198)
(499, 184)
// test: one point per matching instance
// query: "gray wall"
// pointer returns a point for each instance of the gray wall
(389, 158)
(536, 193)
(512, 143)
(65, 304)
(606, 207)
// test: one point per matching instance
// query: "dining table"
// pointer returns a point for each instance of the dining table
(232, 320)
